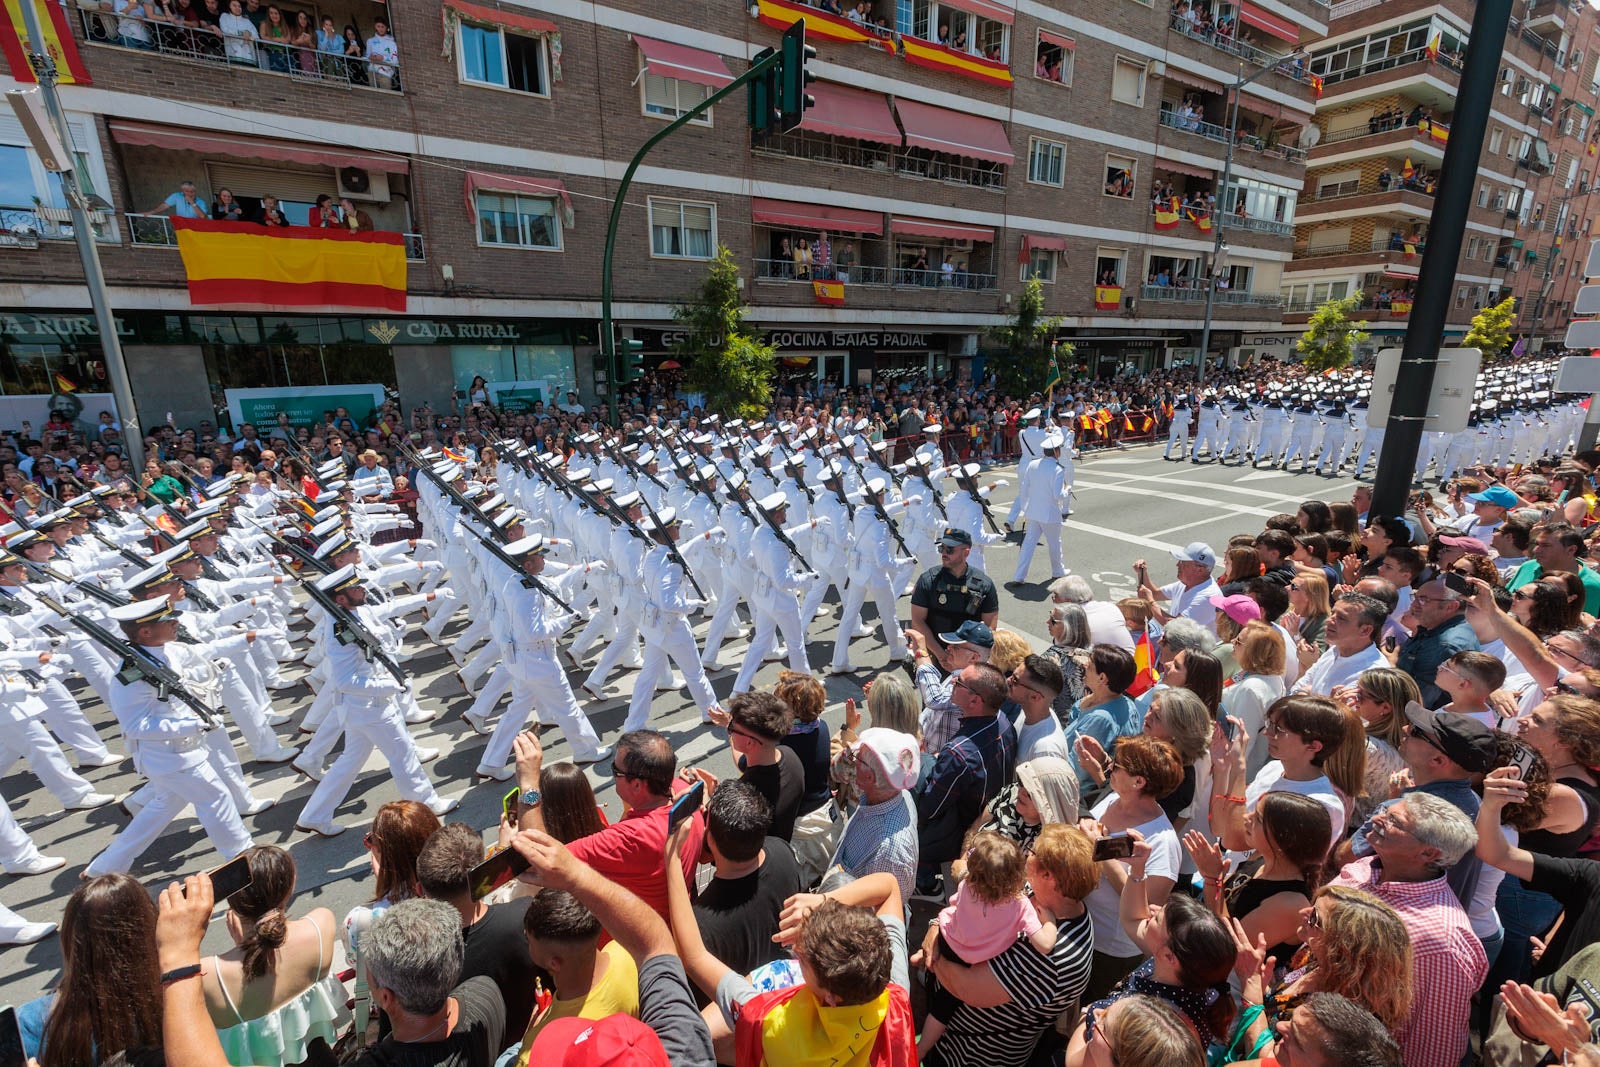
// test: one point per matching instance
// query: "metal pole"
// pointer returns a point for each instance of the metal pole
(608, 340)
(1413, 387)
(44, 69)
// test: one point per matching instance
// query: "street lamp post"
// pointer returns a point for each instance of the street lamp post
(1218, 243)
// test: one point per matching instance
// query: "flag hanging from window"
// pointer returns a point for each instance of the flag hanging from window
(830, 292)
(1167, 214)
(1108, 297)
(292, 266)
(1408, 171)
(1432, 50)
(70, 68)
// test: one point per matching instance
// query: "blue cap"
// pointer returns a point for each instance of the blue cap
(1498, 495)
(971, 633)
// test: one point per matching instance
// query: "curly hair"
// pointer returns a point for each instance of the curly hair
(1530, 813)
(804, 693)
(1365, 954)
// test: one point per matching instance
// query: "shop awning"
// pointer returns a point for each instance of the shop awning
(1265, 108)
(939, 129)
(1398, 271)
(1280, 28)
(1585, 108)
(490, 182)
(1194, 81)
(815, 217)
(1060, 40)
(668, 60)
(988, 9)
(494, 16)
(846, 112)
(1185, 168)
(950, 231)
(187, 139)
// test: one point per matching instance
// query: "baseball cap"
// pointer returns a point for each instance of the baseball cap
(1467, 742)
(896, 753)
(615, 1041)
(1196, 552)
(1498, 495)
(975, 635)
(953, 538)
(1238, 607)
(1470, 545)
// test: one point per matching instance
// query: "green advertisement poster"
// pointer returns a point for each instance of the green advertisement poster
(305, 405)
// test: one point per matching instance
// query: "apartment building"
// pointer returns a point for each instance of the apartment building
(1391, 70)
(957, 148)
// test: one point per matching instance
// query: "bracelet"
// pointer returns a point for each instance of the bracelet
(1231, 798)
(1137, 878)
(178, 974)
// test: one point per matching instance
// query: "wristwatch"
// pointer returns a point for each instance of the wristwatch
(530, 798)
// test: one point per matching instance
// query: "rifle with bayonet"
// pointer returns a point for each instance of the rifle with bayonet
(348, 629)
(138, 665)
(970, 486)
(877, 505)
(529, 581)
(94, 592)
(655, 517)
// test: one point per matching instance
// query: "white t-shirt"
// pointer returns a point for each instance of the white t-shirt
(1333, 670)
(1271, 780)
(1193, 603)
(1043, 738)
(1104, 903)
(1107, 625)
(1291, 658)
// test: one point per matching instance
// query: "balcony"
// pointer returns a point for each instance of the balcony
(1244, 222)
(1293, 69)
(1196, 294)
(1172, 120)
(866, 276)
(915, 163)
(155, 231)
(1346, 8)
(1163, 218)
(181, 42)
(1427, 140)
(1367, 196)
(1418, 57)
(1361, 249)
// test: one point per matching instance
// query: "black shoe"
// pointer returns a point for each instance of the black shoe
(932, 888)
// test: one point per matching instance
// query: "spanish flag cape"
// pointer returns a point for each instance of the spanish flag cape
(798, 1031)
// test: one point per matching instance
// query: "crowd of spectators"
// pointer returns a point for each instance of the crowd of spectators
(327, 213)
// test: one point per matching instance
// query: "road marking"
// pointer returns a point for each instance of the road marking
(1172, 479)
(1229, 508)
(1186, 526)
(1119, 535)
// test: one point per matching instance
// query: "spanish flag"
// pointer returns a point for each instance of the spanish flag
(830, 293)
(65, 384)
(1439, 132)
(1108, 297)
(1167, 214)
(1432, 50)
(1408, 171)
(938, 57)
(70, 68)
(1146, 675)
(1316, 86)
(1400, 307)
(292, 267)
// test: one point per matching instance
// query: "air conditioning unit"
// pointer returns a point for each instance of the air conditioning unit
(359, 184)
(1130, 304)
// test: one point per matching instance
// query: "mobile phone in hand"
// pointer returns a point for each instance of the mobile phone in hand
(685, 804)
(512, 805)
(1457, 583)
(11, 1052)
(1114, 847)
(495, 872)
(1522, 758)
(229, 878)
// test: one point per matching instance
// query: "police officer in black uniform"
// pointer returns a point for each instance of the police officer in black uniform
(949, 595)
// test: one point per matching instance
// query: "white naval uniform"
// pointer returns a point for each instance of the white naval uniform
(1044, 496)
(667, 638)
(23, 733)
(780, 583)
(1177, 433)
(1031, 440)
(874, 571)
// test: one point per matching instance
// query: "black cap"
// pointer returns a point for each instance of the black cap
(1465, 741)
(954, 538)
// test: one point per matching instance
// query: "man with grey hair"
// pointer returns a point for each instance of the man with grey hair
(1414, 842)
(414, 953)
(1354, 625)
(1106, 624)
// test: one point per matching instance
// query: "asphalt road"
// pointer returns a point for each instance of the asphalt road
(1129, 504)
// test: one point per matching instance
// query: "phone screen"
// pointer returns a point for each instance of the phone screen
(495, 872)
(1115, 847)
(231, 877)
(11, 1054)
(685, 804)
(512, 805)
(1457, 584)
(1522, 759)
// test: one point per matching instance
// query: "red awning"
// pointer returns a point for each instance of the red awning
(1266, 108)
(952, 231)
(815, 217)
(939, 129)
(515, 183)
(988, 9)
(679, 61)
(494, 16)
(1194, 81)
(1035, 243)
(1057, 39)
(1280, 28)
(845, 112)
(180, 139)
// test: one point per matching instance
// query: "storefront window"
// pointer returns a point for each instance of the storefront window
(35, 370)
(551, 364)
(255, 366)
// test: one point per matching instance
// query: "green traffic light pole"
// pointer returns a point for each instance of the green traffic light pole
(608, 339)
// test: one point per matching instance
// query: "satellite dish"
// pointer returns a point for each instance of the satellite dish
(1310, 136)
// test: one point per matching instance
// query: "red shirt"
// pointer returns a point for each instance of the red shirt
(629, 853)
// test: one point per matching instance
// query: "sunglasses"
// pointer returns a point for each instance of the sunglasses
(618, 772)
(1520, 594)
(1313, 921)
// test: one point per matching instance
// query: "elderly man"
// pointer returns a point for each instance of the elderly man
(968, 771)
(371, 480)
(1189, 597)
(952, 593)
(881, 835)
(1415, 841)
(1557, 548)
(1442, 631)
(1329, 1030)
(1489, 511)
(941, 717)
(1106, 623)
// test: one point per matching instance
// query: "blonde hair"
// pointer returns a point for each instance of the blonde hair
(1315, 588)
(894, 705)
(1346, 768)
(1010, 649)
(1365, 954)
(1067, 855)
(1137, 608)
(1258, 649)
(1149, 1032)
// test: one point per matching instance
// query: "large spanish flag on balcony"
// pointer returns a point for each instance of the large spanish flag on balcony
(58, 42)
(1167, 214)
(781, 14)
(830, 293)
(292, 266)
(1108, 297)
(937, 56)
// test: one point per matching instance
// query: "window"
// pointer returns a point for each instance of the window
(1461, 297)
(518, 221)
(1472, 248)
(681, 230)
(1045, 161)
(1108, 264)
(1053, 58)
(1322, 292)
(1496, 135)
(1127, 82)
(1263, 200)
(1120, 176)
(669, 97)
(16, 177)
(1041, 265)
(491, 56)
(1483, 194)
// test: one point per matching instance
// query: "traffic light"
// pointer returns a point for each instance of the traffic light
(630, 360)
(793, 77)
(763, 97)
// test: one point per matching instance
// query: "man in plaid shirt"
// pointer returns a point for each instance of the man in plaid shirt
(1415, 841)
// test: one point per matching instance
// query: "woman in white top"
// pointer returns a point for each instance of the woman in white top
(1259, 652)
(271, 995)
(238, 34)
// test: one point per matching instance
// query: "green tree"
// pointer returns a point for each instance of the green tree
(1331, 338)
(724, 359)
(1028, 341)
(1491, 329)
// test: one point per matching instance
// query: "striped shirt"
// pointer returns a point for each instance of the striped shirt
(1040, 986)
(881, 838)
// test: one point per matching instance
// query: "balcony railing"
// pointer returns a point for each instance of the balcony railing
(21, 227)
(1383, 63)
(1392, 244)
(1356, 187)
(1376, 128)
(178, 40)
(783, 270)
(907, 162)
(1213, 132)
(1245, 222)
(1346, 8)
(1377, 244)
(1295, 69)
(155, 231)
(1196, 294)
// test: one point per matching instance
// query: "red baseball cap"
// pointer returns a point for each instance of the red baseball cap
(615, 1041)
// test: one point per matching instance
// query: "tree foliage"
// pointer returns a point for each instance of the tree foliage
(1027, 339)
(1491, 329)
(724, 359)
(1331, 338)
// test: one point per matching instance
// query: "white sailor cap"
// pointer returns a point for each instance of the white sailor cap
(55, 518)
(646, 457)
(1031, 413)
(493, 502)
(702, 439)
(880, 446)
(862, 425)
(736, 480)
(772, 502)
(147, 578)
(81, 498)
(797, 462)
(933, 427)
(175, 554)
(446, 469)
(326, 527)
(532, 545)
(508, 517)
(876, 485)
(761, 451)
(339, 580)
(155, 609)
(206, 510)
(626, 500)
(331, 466)
(194, 529)
(222, 486)
(848, 440)
(970, 470)
(830, 472)
(475, 490)
(334, 486)
(579, 474)
(1053, 441)
(600, 485)
(665, 519)
(324, 514)
(707, 473)
(332, 546)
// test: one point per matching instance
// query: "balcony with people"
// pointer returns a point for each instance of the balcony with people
(1182, 280)
(1199, 108)
(1404, 126)
(351, 47)
(1388, 247)
(1400, 187)
(1382, 299)
(1398, 58)
(1243, 31)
